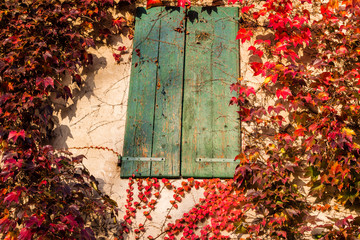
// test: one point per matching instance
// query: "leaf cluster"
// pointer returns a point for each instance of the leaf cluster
(47, 194)
(307, 133)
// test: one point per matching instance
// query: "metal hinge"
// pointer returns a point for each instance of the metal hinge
(214, 160)
(144, 159)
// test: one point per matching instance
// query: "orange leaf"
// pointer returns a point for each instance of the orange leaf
(334, 168)
(153, 3)
(334, 4)
(10, 236)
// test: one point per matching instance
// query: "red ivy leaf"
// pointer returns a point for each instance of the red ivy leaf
(234, 1)
(233, 101)
(25, 234)
(255, 51)
(343, 222)
(250, 90)
(244, 35)
(153, 3)
(138, 52)
(14, 135)
(260, 41)
(121, 22)
(121, 48)
(117, 57)
(45, 82)
(89, 42)
(281, 233)
(342, 50)
(283, 92)
(12, 197)
(67, 92)
(182, 3)
(235, 87)
(77, 79)
(257, 67)
(247, 8)
(34, 220)
(69, 219)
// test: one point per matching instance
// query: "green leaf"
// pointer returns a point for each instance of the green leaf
(312, 172)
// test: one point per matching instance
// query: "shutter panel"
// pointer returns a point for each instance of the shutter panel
(211, 129)
(153, 125)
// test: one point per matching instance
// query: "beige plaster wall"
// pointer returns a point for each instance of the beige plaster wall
(96, 116)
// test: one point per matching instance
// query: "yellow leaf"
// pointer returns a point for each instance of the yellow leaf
(94, 186)
(348, 131)
(280, 67)
(267, 80)
(358, 50)
(254, 156)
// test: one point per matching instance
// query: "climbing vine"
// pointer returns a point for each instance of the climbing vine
(216, 213)
(46, 193)
(300, 127)
(307, 131)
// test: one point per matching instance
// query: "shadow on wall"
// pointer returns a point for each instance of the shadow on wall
(68, 109)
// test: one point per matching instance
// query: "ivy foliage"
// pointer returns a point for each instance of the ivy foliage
(307, 132)
(309, 60)
(47, 194)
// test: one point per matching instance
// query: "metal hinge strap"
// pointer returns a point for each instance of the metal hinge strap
(144, 159)
(214, 160)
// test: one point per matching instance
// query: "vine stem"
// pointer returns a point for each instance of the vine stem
(160, 191)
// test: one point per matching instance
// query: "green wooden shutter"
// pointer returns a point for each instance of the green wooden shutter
(211, 131)
(153, 125)
(162, 88)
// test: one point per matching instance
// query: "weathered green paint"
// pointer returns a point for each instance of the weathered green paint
(167, 130)
(141, 100)
(210, 126)
(154, 104)
(154, 127)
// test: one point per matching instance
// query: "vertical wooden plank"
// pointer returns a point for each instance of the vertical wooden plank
(141, 100)
(225, 67)
(167, 130)
(197, 94)
(210, 127)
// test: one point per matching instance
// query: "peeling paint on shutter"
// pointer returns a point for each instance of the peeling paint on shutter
(153, 125)
(211, 129)
(162, 88)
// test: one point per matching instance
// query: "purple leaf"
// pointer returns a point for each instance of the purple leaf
(12, 197)
(45, 82)
(25, 234)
